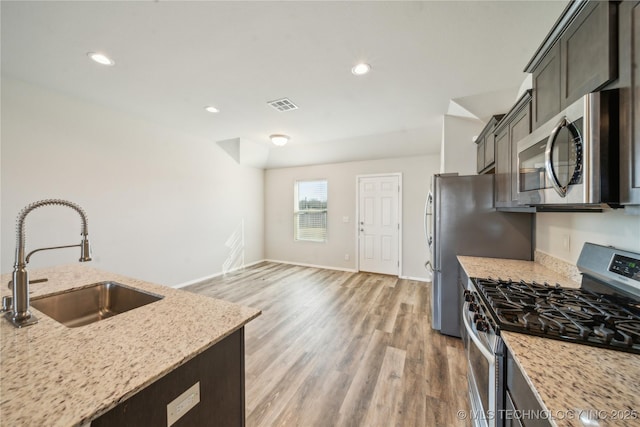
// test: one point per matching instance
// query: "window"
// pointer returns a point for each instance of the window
(310, 211)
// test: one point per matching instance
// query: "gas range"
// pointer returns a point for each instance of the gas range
(604, 312)
(575, 315)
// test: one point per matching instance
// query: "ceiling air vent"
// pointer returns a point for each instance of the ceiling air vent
(283, 104)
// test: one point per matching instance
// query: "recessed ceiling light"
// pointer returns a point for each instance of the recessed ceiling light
(101, 58)
(211, 109)
(279, 139)
(361, 69)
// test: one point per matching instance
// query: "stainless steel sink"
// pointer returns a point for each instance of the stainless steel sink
(82, 306)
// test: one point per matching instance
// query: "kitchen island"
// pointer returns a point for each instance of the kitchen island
(575, 384)
(58, 376)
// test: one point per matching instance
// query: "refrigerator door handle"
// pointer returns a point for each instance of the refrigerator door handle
(428, 220)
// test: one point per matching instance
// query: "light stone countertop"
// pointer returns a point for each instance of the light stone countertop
(568, 379)
(58, 376)
(513, 269)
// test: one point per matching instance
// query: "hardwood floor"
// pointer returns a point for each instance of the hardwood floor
(335, 348)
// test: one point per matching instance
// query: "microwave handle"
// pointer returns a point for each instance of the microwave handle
(548, 163)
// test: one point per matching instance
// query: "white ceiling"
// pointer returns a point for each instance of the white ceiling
(174, 58)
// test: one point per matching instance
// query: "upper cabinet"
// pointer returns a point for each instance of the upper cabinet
(515, 125)
(486, 146)
(629, 85)
(578, 56)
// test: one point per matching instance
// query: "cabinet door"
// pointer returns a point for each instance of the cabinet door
(489, 150)
(588, 51)
(503, 169)
(511, 418)
(630, 104)
(220, 372)
(480, 158)
(546, 87)
(519, 128)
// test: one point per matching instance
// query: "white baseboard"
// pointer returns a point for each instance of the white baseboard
(213, 276)
(326, 267)
(417, 279)
(301, 264)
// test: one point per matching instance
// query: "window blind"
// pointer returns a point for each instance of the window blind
(310, 211)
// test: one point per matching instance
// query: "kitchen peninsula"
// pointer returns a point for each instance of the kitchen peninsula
(60, 376)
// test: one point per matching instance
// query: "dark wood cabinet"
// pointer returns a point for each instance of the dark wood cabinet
(512, 128)
(577, 57)
(480, 155)
(486, 146)
(547, 87)
(521, 399)
(589, 57)
(629, 85)
(220, 372)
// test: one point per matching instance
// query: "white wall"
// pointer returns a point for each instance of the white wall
(279, 183)
(609, 228)
(458, 152)
(161, 203)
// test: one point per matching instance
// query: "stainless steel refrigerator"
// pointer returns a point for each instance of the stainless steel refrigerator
(460, 219)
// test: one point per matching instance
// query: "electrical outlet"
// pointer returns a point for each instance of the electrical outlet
(183, 403)
(346, 257)
(345, 219)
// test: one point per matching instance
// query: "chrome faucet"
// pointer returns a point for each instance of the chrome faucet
(19, 314)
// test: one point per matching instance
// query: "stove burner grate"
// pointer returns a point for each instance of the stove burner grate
(569, 314)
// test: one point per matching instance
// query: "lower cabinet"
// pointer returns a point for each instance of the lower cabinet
(219, 371)
(522, 408)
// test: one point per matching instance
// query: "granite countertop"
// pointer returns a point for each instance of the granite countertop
(570, 380)
(513, 269)
(58, 376)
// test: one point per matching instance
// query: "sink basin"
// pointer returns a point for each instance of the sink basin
(90, 304)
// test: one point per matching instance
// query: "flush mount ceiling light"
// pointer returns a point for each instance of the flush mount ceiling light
(211, 109)
(101, 58)
(361, 69)
(279, 139)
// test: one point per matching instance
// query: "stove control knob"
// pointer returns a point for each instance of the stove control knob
(477, 317)
(468, 296)
(482, 326)
(473, 307)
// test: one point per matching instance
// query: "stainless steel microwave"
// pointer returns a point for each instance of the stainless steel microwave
(572, 160)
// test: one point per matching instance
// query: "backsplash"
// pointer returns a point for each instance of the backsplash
(559, 266)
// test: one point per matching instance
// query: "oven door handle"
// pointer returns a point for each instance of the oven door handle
(488, 354)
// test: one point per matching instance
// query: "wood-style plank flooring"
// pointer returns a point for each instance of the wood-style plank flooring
(334, 348)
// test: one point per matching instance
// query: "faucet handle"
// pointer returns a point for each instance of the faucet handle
(7, 301)
(10, 284)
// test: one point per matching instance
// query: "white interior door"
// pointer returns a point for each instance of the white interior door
(378, 224)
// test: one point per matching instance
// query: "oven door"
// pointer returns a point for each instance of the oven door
(481, 375)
